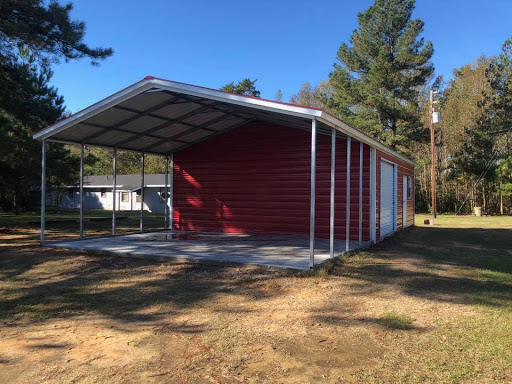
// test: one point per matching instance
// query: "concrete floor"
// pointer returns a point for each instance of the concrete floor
(276, 251)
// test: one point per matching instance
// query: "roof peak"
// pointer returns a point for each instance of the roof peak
(149, 77)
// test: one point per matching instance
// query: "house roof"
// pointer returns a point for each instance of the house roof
(123, 182)
(158, 116)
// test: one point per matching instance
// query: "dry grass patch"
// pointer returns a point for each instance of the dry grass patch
(429, 305)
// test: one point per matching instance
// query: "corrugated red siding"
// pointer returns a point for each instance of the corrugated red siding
(256, 179)
(404, 169)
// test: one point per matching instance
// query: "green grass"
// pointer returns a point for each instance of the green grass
(465, 221)
(394, 320)
(96, 221)
(464, 265)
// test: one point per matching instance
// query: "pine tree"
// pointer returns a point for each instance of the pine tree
(34, 105)
(245, 87)
(47, 30)
(376, 82)
(33, 35)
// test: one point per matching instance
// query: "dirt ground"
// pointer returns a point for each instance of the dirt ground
(428, 305)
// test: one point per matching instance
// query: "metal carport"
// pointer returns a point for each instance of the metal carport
(161, 117)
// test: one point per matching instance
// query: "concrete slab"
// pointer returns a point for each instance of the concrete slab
(276, 251)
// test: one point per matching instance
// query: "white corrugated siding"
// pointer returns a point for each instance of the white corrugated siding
(387, 199)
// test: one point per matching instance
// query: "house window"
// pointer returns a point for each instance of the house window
(137, 197)
(125, 197)
(103, 192)
(409, 187)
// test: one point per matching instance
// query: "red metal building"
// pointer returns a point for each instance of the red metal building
(249, 165)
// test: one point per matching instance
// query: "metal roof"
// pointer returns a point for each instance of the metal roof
(161, 117)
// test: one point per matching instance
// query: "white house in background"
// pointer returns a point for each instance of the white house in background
(98, 193)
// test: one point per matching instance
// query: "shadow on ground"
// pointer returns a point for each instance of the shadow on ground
(48, 284)
(465, 266)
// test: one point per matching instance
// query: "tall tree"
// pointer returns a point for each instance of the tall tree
(488, 141)
(462, 101)
(245, 87)
(34, 105)
(47, 30)
(474, 145)
(33, 35)
(376, 82)
(305, 96)
(500, 102)
(313, 96)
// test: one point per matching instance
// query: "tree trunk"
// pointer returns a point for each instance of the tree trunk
(472, 199)
(501, 201)
(58, 200)
(485, 199)
(15, 207)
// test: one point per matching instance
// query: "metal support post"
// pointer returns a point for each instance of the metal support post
(361, 193)
(43, 189)
(373, 195)
(142, 194)
(114, 190)
(166, 194)
(312, 196)
(347, 207)
(81, 190)
(333, 177)
(171, 192)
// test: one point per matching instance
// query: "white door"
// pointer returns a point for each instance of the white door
(387, 199)
(404, 203)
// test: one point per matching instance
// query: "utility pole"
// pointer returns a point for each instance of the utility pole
(432, 157)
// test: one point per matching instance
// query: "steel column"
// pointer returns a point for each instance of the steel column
(333, 173)
(312, 196)
(114, 190)
(360, 193)
(81, 190)
(171, 192)
(373, 195)
(347, 207)
(142, 194)
(166, 194)
(43, 189)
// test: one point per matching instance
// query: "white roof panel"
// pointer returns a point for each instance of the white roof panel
(142, 124)
(173, 111)
(110, 117)
(145, 101)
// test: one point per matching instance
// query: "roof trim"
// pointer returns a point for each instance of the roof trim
(150, 82)
(332, 121)
(100, 106)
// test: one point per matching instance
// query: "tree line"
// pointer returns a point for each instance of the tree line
(379, 84)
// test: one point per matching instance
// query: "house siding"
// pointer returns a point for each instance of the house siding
(93, 200)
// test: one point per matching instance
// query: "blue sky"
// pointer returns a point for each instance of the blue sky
(281, 43)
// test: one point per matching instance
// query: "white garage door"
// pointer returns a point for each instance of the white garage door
(387, 199)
